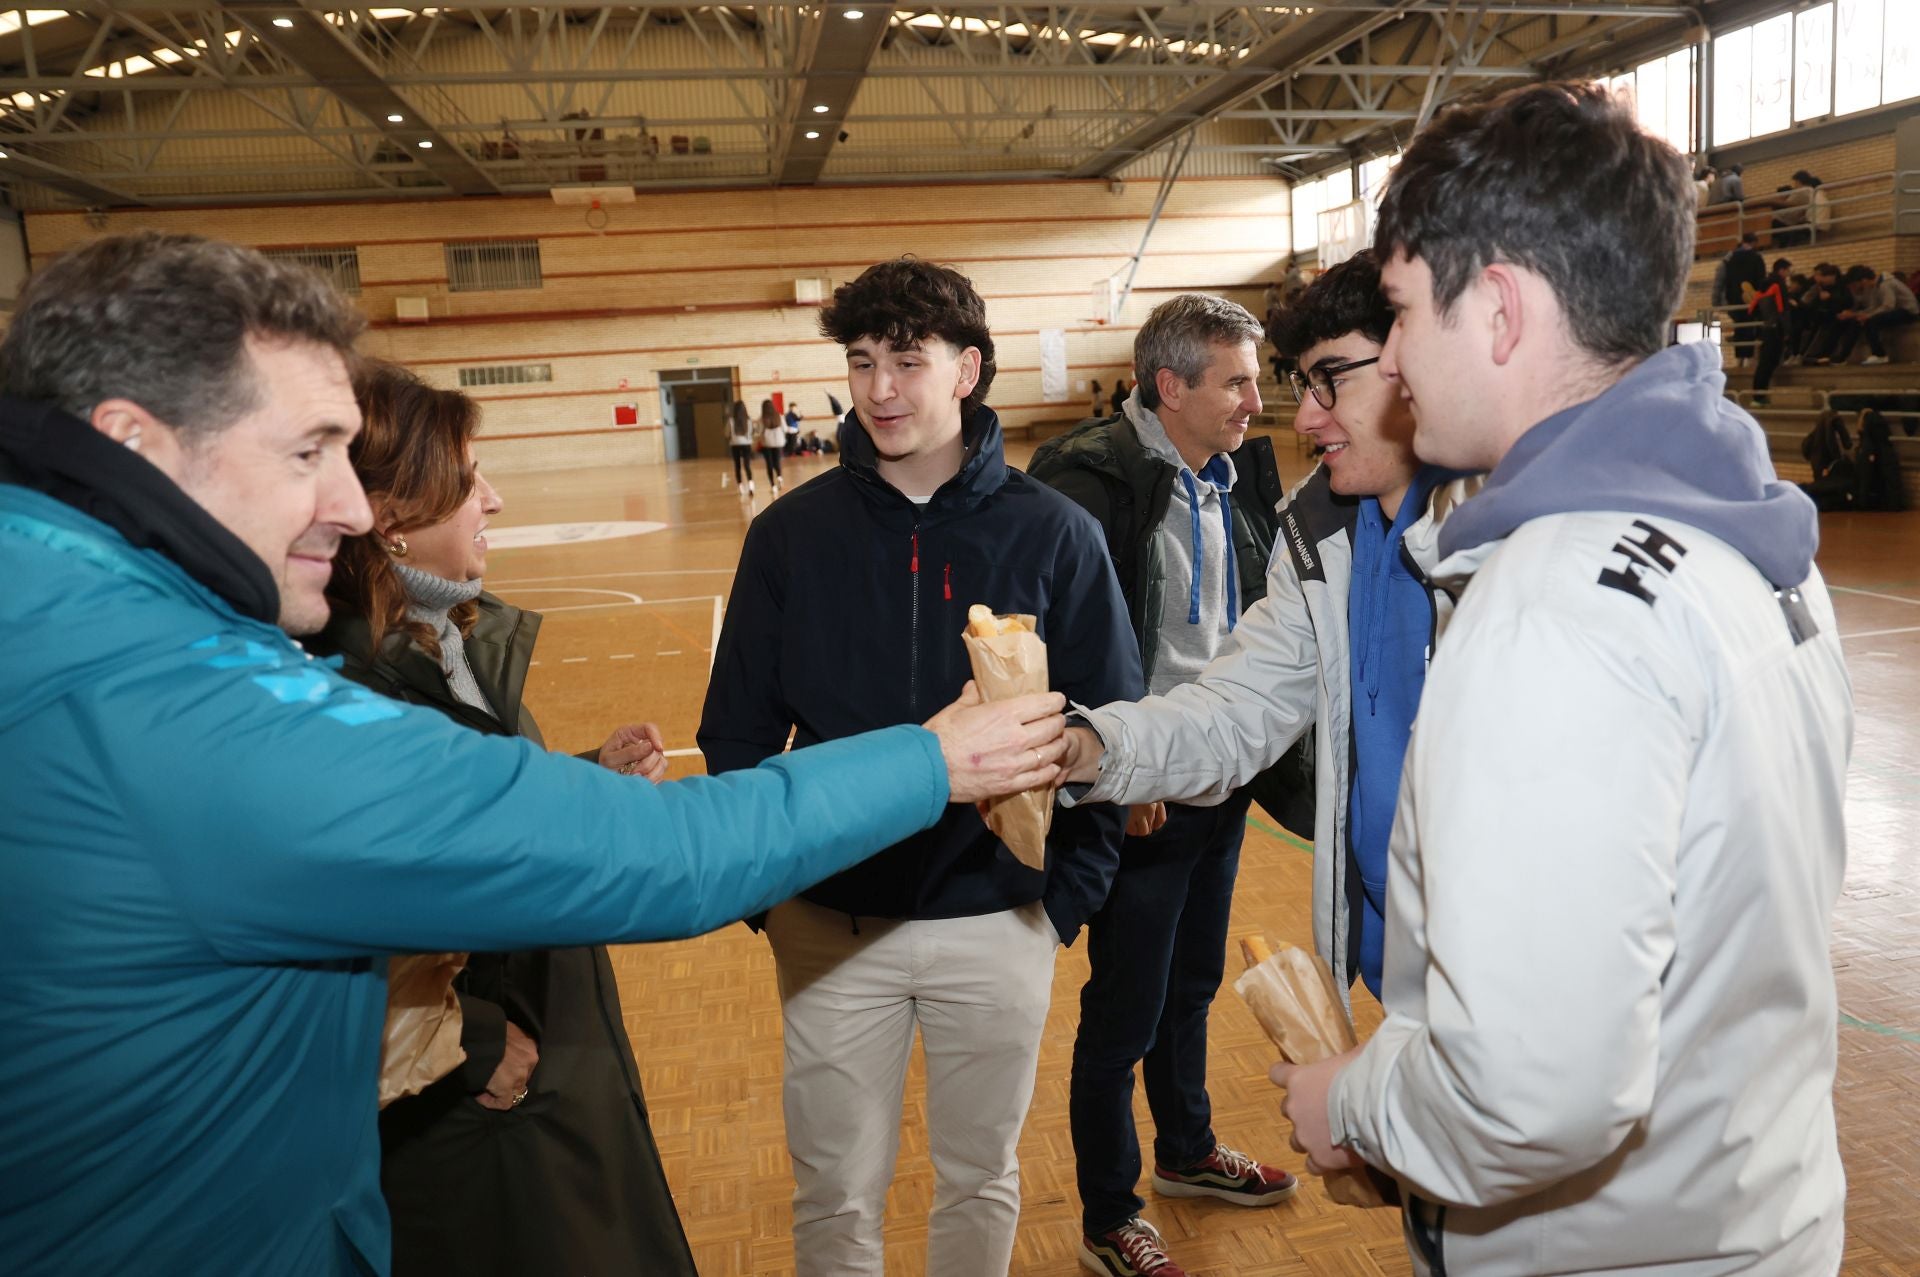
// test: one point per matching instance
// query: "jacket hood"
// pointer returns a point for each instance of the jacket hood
(1661, 441)
(46, 449)
(983, 465)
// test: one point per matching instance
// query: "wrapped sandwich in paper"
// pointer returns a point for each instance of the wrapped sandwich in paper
(421, 1043)
(1292, 994)
(1010, 660)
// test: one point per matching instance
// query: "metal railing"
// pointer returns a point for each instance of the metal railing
(1852, 205)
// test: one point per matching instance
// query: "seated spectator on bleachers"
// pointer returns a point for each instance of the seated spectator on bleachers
(1729, 188)
(1880, 302)
(1705, 182)
(1820, 307)
(1741, 275)
(1804, 212)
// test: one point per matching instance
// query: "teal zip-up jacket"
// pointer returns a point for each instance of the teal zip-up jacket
(208, 843)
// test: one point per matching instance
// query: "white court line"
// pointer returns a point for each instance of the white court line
(601, 576)
(588, 607)
(1872, 594)
(1905, 629)
(621, 656)
(626, 596)
(672, 652)
(573, 660)
(713, 647)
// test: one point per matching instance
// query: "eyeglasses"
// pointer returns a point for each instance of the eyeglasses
(1319, 381)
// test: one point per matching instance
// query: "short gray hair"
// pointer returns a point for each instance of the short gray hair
(163, 320)
(1180, 335)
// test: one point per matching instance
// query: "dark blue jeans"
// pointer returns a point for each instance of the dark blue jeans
(1158, 949)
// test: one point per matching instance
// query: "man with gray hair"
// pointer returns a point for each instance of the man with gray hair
(212, 841)
(1187, 502)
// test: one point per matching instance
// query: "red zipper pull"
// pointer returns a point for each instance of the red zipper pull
(916, 553)
(947, 589)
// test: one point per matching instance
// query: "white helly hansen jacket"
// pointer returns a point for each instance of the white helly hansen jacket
(1611, 1015)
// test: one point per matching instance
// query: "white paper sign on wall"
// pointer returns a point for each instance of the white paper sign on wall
(1053, 365)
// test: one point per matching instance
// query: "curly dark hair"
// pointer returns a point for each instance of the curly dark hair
(906, 301)
(1344, 298)
(1557, 178)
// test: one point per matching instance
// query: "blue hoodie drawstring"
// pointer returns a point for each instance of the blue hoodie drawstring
(1215, 473)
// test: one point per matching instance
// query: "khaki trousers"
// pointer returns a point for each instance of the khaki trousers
(853, 992)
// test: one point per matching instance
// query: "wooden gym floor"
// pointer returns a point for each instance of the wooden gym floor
(630, 624)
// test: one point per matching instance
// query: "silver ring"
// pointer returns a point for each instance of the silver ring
(516, 1099)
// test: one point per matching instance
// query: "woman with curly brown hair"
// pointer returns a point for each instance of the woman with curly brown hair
(536, 1154)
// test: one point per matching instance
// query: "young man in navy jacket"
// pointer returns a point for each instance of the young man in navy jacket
(847, 612)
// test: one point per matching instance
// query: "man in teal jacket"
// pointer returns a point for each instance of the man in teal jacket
(210, 840)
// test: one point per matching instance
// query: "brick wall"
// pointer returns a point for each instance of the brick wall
(707, 278)
(1870, 240)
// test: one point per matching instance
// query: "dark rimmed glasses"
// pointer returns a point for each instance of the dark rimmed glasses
(1318, 381)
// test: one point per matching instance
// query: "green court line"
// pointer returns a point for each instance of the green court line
(1884, 1030)
(1277, 832)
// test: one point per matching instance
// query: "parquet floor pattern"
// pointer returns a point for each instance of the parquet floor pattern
(704, 1015)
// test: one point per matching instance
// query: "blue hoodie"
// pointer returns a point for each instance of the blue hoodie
(1663, 440)
(1390, 621)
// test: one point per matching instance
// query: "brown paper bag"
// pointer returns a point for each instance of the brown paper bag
(1014, 664)
(421, 1043)
(1292, 994)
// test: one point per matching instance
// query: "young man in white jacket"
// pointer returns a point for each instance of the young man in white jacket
(1609, 1045)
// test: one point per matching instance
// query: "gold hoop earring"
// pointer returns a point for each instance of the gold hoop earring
(397, 547)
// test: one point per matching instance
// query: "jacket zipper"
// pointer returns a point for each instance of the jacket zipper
(913, 632)
(1433, 608)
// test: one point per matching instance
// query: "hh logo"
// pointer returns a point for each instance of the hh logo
(1650, 559)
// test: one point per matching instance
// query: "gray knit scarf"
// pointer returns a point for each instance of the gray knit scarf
(430, 599)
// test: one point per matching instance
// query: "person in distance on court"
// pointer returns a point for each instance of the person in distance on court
(740, 447)
(859, 581)
(1610, 1032)
(1339, 642)
(544, 1126)
(773, 444)
(213, 841)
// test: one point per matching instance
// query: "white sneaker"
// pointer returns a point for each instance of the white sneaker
(749, 487)
(1872, 360)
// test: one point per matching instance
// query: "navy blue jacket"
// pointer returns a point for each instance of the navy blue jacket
(846, 614)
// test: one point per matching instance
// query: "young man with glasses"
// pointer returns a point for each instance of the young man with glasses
(1341, 639)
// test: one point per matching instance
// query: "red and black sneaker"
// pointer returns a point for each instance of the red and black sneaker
(1229, 1175)
(1132, 1250)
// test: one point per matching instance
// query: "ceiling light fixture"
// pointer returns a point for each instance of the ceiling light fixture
(812, 134)
(283, 22)
(854, 15)
(821, 109)
(395, 119)
(426, 146)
